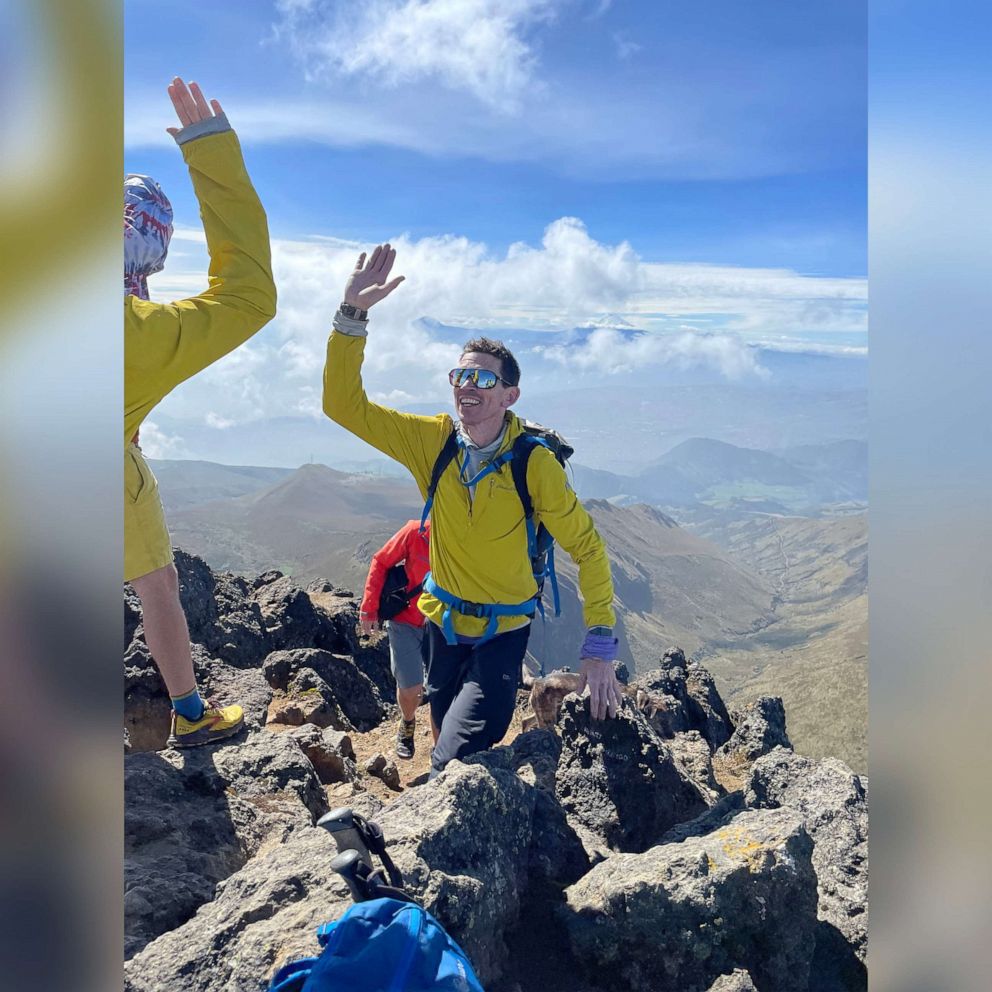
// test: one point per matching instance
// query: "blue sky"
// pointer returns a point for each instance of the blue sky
(694, 171)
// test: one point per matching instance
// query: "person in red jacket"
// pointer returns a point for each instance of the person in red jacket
(409, 547)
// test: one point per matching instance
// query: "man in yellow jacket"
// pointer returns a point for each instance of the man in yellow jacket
(480, 595)
(165, 344)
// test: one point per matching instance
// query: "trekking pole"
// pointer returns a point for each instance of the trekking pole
(355, 872)
(346, 827)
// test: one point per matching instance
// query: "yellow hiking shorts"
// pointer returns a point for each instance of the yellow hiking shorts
(146, 537)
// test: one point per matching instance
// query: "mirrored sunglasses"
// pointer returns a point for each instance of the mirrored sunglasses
(481, 378)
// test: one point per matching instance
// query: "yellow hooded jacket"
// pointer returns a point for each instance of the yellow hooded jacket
(478, 548)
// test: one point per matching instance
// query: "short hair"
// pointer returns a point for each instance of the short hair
(509, 370)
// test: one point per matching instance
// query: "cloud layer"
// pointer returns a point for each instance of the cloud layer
(690, 315)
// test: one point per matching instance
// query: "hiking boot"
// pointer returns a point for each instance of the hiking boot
(405, 744)
(216, 724)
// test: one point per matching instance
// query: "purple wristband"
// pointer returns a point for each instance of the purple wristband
(598, 646)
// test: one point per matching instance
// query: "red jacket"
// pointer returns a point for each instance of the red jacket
(410, 547)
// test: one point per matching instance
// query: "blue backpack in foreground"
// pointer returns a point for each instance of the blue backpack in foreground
(383, 945)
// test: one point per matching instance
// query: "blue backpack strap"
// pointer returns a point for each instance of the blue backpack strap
(481, 611)
(444, 459)
(524, 446)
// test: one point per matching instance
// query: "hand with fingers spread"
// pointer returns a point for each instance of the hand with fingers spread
(605, 694)
(368, 285)
(191, 105)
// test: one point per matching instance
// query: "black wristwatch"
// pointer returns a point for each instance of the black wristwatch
(348, 310)
(601, 631)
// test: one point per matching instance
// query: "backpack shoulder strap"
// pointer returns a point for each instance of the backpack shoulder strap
(444, 459)
(523, 447)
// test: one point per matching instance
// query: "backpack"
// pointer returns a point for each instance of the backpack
(383, 945)
(395, 597)
(540, 543)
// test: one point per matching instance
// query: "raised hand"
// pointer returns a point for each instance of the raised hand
(367, 285)
(190, 103)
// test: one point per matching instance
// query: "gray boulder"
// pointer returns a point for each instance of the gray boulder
(833, 803)
(461, 841)
(341, 684)
(678, 916)
(193, 818)
(329, 751)
(260, 917)
(619, 780)
(557, 857)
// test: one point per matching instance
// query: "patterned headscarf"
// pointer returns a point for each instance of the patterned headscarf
(147, 230)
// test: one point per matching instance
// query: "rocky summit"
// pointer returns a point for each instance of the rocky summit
(680, 847)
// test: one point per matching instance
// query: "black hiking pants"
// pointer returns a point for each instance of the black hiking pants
(472, 690)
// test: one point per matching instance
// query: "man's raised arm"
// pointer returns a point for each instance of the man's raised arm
(167, 343)
(413, 441)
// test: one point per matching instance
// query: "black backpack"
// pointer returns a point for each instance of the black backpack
(540, 543)
(395, 597)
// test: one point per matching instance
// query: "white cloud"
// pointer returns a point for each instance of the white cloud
(609, 351)
(478, 46)
(155, 443)
(217, 421)
(567, 280)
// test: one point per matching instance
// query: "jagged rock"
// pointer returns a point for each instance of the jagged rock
(618, 779)
(192, 818)
(319, 586)
(714, 818)
(678, 916)
(290, 619)
(371, 655)
(344, 685)
(220, 613)
(307, 699)
(738, 981)
(834, 806)
(340, 741)
(622, 672)
(147, 708)
(684, 697)
(759, 727)
(382, 768)
(330, 752)
(261, 916)
(557, 855)
(692, 753)
(265, 578)
(461, 842)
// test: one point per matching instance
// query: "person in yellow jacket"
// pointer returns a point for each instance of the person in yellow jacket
(165, 344)
(479, 597)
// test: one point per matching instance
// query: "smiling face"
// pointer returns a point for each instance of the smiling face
(481, 410)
